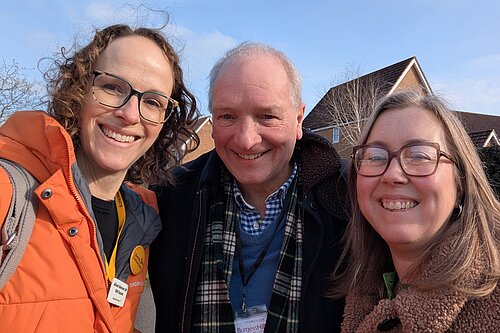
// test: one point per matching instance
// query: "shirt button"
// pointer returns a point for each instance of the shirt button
(256, 225)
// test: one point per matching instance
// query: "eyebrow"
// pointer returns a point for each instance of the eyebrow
(227, 107)
(100, 71)
(384, 144)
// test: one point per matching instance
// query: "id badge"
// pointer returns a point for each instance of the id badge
(117, 292)
(252, 319)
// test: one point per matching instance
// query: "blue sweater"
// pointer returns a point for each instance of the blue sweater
(259, 288)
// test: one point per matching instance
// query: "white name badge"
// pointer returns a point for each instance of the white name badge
(253, 320)
(117, 292)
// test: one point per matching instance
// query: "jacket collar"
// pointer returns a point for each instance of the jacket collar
(317, 156)
(42, 148)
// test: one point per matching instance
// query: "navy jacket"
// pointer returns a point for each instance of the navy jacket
(176, 253)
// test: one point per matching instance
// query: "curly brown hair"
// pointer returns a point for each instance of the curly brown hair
(67, 83)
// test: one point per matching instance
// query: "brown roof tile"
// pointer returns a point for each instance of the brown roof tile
(476, 122)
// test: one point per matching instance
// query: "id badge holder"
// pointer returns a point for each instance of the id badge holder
(252, 319)
(117, 292)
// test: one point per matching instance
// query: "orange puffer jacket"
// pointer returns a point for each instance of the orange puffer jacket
(60, 284)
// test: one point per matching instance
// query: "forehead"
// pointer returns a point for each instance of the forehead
(140, 61)
(260, 70)
(397, 127)
(133, 51)
(257, 80)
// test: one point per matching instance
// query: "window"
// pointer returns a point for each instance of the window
(335, 135)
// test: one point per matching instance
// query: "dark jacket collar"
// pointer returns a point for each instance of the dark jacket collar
(320, 171)
(318, 158)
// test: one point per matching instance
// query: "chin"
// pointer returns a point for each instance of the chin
(115, 167)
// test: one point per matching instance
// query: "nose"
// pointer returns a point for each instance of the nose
(394, 173)
(248, 134)
(129, 112)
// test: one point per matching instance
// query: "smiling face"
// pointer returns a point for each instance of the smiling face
(112, 139)
(255, 124)
(407, 211)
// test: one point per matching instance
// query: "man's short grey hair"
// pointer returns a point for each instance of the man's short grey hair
(247, 49)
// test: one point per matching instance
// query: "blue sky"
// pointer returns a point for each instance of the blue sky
(457, 42)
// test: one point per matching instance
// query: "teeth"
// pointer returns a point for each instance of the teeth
(398, 205)
(116, 136)
(250, 157)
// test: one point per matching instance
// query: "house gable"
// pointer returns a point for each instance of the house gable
(406, 74)
(486, 138)
(492, 140)
(483, 129)
(412, 78)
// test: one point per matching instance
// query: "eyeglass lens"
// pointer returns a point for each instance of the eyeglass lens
(417, 160)
(115, 92)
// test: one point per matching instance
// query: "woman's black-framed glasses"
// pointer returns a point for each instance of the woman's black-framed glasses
(416, 159)
(113, 91)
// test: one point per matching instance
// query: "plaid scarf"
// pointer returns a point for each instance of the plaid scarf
(212, 312)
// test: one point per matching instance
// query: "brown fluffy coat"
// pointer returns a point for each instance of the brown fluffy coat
(445, 310)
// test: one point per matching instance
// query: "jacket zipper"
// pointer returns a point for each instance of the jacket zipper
(190, 271)
(76, 194)
(80, 202)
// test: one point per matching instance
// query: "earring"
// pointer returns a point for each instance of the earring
(457, 210)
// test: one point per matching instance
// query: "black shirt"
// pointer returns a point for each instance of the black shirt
(107, 222)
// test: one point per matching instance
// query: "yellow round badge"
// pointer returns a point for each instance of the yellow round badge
(137, 259)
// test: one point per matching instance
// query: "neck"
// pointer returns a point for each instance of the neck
(257, 195)
(102, 191)
(256, 199)
(102, 183)
(403, 263)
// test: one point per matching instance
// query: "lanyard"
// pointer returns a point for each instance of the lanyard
(239, 246)
(120, 209)
(256, 264)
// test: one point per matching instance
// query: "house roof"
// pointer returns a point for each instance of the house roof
(387, 78)
(482, 128)
(197, 126)
(484, 138)
(476, 122)
(200, 122)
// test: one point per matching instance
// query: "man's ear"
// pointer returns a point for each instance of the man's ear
(300, 119)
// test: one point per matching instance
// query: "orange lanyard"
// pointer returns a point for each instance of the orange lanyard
(120, 209)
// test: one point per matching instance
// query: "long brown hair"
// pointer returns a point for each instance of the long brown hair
(471, 234)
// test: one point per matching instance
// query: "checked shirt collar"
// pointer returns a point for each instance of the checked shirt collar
(250, 219)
